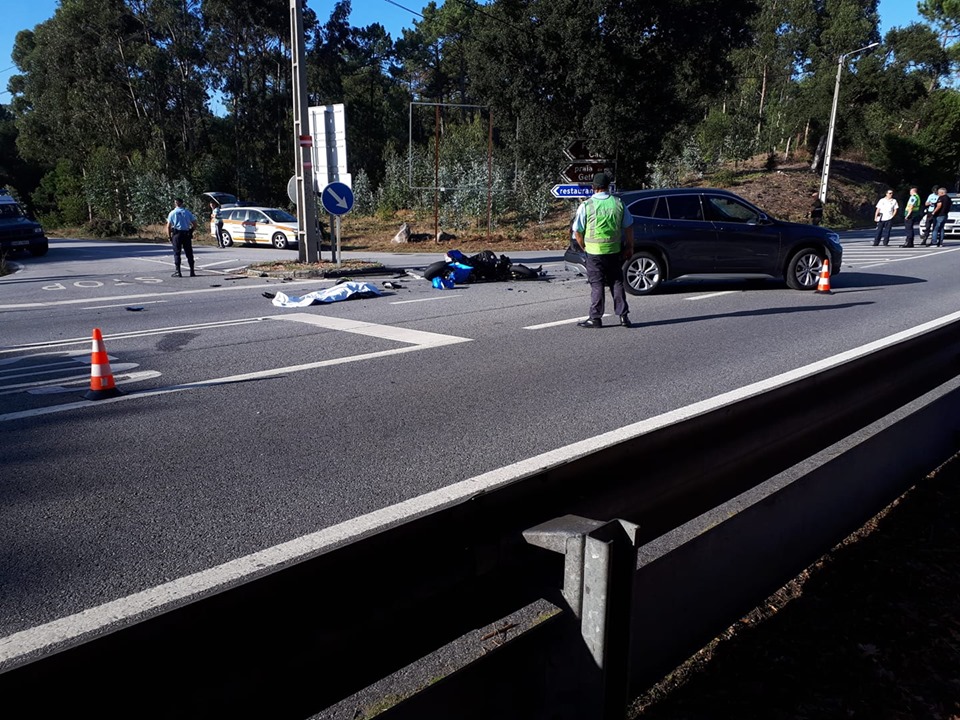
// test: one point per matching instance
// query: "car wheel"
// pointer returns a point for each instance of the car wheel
(227, 240)
(803, 270)
(643, 273)
(38, 250)
(279, 241)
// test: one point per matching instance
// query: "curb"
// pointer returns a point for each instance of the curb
(374, 269)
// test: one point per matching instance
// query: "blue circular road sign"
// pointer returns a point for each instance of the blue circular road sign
(337, 198)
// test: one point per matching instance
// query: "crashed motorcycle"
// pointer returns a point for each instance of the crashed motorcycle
(485, 266)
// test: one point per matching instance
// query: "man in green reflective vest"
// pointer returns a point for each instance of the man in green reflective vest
(601, 226)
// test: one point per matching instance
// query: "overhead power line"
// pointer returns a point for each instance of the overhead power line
(396, 4)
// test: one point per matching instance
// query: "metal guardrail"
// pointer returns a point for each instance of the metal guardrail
(288, 642)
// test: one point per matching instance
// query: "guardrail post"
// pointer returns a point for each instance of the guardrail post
(592, 677)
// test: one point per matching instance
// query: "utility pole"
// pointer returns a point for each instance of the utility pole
(308, 246)
(825, 176)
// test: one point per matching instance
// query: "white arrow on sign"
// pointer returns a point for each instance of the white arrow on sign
(340, 201)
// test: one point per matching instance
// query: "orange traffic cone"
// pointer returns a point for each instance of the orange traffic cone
(824, 285)
(101, 377)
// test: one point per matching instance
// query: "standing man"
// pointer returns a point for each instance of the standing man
(940, 212)
(816, 209)
(180, 225)
(217, 223)
(928, 206)
(598, 227)
(886, 211)
(911, 215)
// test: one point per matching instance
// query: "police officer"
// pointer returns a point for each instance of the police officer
(600, 223)
(180, 225)
(217, 216)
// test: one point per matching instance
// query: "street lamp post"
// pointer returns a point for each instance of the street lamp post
(825, 176)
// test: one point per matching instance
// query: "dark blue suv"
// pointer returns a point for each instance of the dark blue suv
(17, 230)
(702, 231)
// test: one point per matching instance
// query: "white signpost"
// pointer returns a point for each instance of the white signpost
(328, 126)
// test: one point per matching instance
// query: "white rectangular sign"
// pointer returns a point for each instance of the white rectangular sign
(328, 126)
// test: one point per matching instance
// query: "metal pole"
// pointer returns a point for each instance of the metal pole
(303, 166)
(489, 174)
(436, 176)
(825, 176)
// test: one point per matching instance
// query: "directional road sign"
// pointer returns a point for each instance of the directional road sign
(583, 172)
(337, 198)
(571, 191)
(579, 150)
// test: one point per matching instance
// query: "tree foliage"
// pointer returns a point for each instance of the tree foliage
(119, 104)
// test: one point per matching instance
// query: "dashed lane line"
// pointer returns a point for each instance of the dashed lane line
(171, 293)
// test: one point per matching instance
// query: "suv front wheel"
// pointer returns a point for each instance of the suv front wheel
(803, 270)
(643, 273)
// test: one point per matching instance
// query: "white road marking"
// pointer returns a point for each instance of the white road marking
(417, 339)
(429, 299)
(557, 323)
(42, 368)
(55, 353)
(713, 295)
(171, 293)
(135, 334)
(104, 307)
(923, 254)
(121, 379)
(92, 621)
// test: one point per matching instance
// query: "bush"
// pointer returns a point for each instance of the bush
(102, 228)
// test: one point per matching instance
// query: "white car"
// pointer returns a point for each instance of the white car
(258, 225)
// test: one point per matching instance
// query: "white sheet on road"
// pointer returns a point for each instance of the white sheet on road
(333, 294)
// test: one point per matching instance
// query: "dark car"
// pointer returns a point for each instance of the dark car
(701, 231)
(18, 231)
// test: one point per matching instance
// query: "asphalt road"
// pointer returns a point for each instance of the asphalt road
(246, 425)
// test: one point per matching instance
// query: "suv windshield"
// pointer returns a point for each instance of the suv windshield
(10, 211)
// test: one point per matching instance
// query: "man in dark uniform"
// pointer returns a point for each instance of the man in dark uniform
(180, 225)
(600, 224)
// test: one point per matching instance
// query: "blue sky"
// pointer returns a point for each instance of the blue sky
(394, 16)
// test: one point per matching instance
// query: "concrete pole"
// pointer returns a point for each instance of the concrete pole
(825, 176)
(309, 248)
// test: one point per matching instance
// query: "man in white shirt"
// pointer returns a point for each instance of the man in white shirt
(887, 208)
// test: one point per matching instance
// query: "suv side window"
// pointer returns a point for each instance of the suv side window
(685, 207)
(643, 208)
(662, 211)
(724, 209)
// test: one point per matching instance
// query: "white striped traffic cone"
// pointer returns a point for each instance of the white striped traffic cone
(101, 376)
(823, 286)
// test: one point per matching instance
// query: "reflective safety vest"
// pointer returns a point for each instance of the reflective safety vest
(602, 226)
(913, 206)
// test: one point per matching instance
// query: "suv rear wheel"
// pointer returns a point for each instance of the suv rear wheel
(227, 240)
(643, 273)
